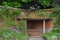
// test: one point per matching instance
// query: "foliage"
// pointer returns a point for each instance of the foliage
(56, 24)
(9, 17)
(9, 34)
(27, 4)
(49, 36)
(42, 13)
(45, 3)
(56, 16)
(26, 0)
(18, 30)
(56, 3)
(37, 4)
(6, 12)
(58, 38)
(12, 4)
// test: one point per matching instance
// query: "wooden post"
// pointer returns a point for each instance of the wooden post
(43, 26)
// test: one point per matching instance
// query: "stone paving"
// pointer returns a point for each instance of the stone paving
(36, 38)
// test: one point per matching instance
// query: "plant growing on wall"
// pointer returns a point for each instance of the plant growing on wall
(8, 34)
(1, 14)
(42, 13)
(18, 30)
(55, 15)
(56, 24)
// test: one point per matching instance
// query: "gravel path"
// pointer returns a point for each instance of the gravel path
(35, 38)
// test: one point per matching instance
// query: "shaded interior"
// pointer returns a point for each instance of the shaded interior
(35, 27)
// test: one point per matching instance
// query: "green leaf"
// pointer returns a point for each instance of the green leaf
(25, 0)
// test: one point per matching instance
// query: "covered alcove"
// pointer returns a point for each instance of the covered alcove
(37, 27)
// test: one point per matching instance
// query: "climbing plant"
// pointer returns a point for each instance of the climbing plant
(18, 29)
(56, 15)
(56, 25)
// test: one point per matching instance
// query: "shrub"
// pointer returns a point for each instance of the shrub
(28, 4)
(45, 3)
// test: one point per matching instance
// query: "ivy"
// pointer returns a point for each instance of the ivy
(56, 15)
(9, 16)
